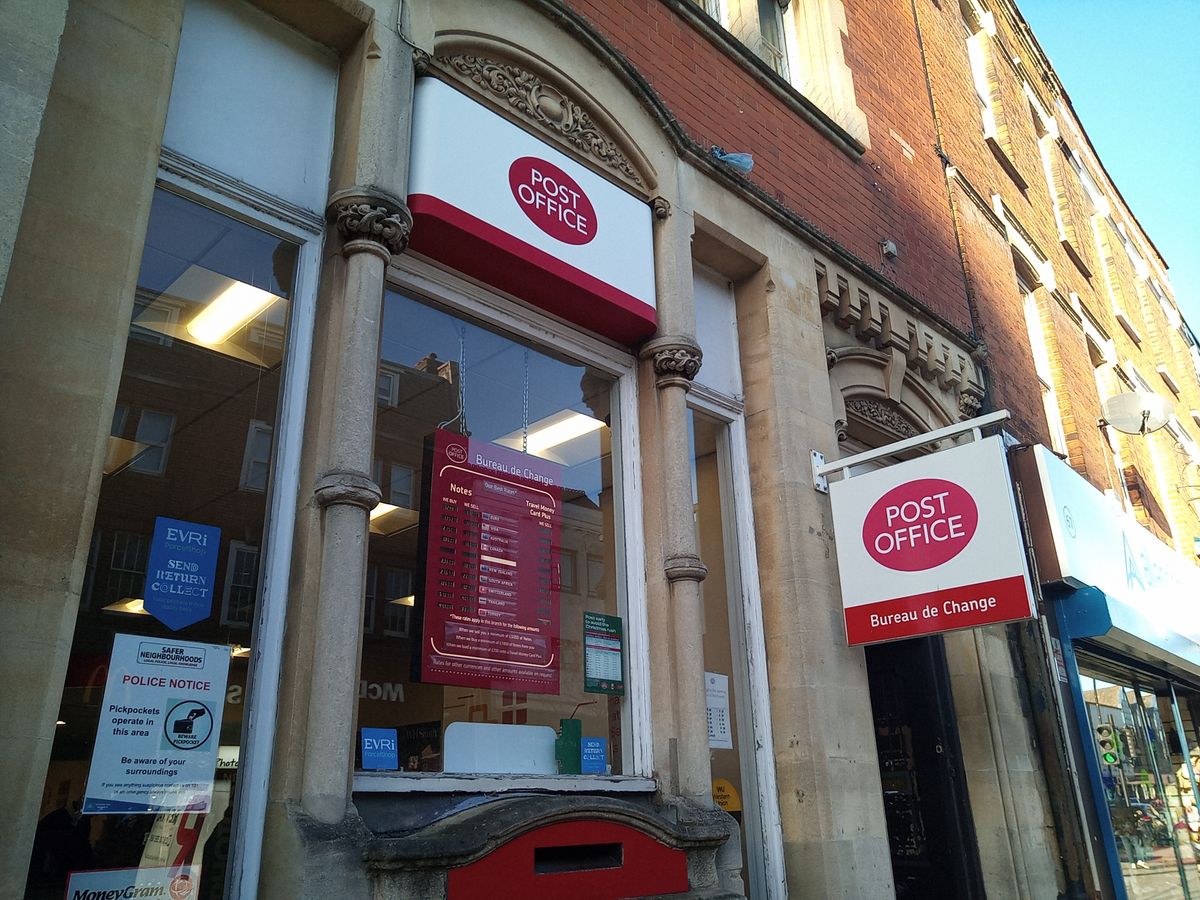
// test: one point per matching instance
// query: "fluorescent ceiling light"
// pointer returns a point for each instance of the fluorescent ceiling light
(229, 312)
(120, 453)
(388, 519)
(129, 605)
(410, 600)
(60, 722)
(237, 651)
(555, 432)
(559, 428)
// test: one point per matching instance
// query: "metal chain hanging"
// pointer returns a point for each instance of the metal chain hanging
(525, 406)
(461, 418)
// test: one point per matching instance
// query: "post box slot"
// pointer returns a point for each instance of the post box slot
(577, 858)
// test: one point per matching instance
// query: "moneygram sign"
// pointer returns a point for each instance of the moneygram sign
(930, 545)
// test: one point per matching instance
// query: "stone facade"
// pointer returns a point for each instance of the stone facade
(874, 257)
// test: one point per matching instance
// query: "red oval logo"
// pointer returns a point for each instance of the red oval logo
(456, 453)
(552, 200)
(920, 525)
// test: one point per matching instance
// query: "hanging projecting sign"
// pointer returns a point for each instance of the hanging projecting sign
(930, 545)
(491, 598)
(160, 727)
(494, 202)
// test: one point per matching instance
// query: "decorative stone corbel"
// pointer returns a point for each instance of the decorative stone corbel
(661, 207)
(370, 221)
(969, 403)
(676, 360)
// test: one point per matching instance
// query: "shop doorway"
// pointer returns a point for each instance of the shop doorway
(929, 825)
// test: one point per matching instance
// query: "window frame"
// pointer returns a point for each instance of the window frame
(416, 277)
(307, 230)
(234, 548)
(256, 427)
(165, 446)
(754, 693)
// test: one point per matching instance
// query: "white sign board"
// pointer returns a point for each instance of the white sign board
(160, 727)
(1152, 591)
(493, 201)
(930, 545)
(716, 692)
(170, 883)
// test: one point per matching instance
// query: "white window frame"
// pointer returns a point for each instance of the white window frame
(255, 428)
(407, 610)
(306, 229)
(136, 464)
(236, 547)
(414, 276)
(370, 593)
(752, 693)
(1045, 373)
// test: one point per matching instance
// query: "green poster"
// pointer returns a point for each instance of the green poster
(603, 657)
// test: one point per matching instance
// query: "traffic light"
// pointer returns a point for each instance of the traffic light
(1106, 744)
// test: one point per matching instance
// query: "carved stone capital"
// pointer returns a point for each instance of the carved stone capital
(676, 360)
(370, 221)
(685, 568)
(340, 487)
(661, 207)
(421, 61)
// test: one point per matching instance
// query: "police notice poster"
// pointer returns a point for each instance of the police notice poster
(160, 727)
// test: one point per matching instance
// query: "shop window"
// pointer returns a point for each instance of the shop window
(154, 436)
(256, 461)
(174, 560)
(496, 460)
(241, 585)
(1146, 756)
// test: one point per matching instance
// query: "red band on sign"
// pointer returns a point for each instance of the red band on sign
(472, 246)
(971, 605)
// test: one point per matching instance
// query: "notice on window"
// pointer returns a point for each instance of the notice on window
(716, 689)
(180, 572)
(160, 726)
(603, 671)
(175, 882)
(490, 595)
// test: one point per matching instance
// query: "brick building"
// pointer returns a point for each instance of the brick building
(495, 379)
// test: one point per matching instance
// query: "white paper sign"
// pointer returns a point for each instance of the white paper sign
(170, 883)
(160, 727)
(716, 690)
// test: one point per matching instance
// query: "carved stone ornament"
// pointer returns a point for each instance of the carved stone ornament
(676, 360)
(881, 415)
(550, 109)
(661, 207)
(340, 487)
(371, 223)
(969, 404)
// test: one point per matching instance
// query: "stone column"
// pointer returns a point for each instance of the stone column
(676, 361)
(374, 225)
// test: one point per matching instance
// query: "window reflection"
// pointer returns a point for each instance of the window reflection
(190, 440)
(438, 558)
(1147, 778)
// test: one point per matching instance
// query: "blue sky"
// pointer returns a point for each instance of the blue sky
(1132, 70)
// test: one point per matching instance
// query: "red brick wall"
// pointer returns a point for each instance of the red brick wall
(857, 201)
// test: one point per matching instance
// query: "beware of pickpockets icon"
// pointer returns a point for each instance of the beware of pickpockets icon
(188, 725)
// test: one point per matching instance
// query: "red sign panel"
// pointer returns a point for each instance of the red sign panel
(491, 592)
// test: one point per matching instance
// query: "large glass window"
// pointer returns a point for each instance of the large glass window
(144, 763)
(1146, 742)
(491, 653)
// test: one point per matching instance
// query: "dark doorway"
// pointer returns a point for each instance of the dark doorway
(924, 792)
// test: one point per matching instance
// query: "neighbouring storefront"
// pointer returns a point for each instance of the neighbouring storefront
(1126, 638)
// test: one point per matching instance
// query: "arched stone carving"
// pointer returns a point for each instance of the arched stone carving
(543, 99)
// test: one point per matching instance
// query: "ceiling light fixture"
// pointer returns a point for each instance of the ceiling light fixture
(410, 600)
(134, 606)
(229, 312)
(560, 428)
